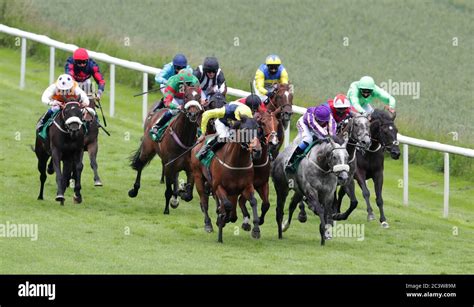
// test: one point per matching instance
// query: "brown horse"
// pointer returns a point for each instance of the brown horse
(65, 143)
(283, 99)
(231, 173)
(268, 122)
(179, 136)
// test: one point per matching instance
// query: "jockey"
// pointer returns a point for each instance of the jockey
(81, 68)
(270, 73)
(173, 98)
(172, 68)
(211, 77)
(362, 92)
(316, 124)
(341, 109)
(254, 103)
(64, 90)
(230, 112)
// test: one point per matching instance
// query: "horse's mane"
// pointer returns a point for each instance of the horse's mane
(381, 115)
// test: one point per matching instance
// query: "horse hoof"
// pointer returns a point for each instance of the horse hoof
(40, 197)
(167, 211)
(50, 171)
(133, 193)
(208, 228)
(256, 234)
(77, 199)
(385, 225)
(59, 198)
(174, 202)
(370, 217)
(97, 183)
(302, 218)
(246, 227)
(285, 226)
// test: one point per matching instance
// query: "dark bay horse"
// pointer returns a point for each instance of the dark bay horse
(268, 122)
(91, 144)
(370, 162)
(179, 136)
(283, 99)
(231, 176)
(65, 143)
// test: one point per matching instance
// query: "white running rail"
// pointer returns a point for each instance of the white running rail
(113, 61)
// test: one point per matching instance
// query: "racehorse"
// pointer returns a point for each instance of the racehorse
(65, 142)
(315, 180)
(358, 130)
(370, 162)
(231, 175)
(283, 99)
(91, 144)
(179, 136)
(268, 122)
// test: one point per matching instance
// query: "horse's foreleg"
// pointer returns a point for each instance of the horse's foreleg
(203, 201)
(366, 194)
(143, 155)
(78, 167)
(56, 157)
(282, 193)
(168, 193)
(246, 223)
(263, 192)
(348, 189)
(318, 209)
(92, 149)
(42, 161)
(249, 195)
(378, 185)
(187, 194)
(224, 206)
(174, 202)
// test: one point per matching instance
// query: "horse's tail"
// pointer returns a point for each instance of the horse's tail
(135, 162)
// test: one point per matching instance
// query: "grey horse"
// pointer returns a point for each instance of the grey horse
(358, 129)
(315, 180)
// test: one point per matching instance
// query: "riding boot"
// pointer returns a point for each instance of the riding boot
(44, 120)
(206, 147)
(160, 105)
(290, 168)
(163, 120)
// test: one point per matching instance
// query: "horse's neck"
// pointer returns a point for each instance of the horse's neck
(235, 155)
(185, 129)
(263, 157)
(319, 157)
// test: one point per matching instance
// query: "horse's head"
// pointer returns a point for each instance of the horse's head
(268, 122)
(192, 109)
(337, 159)
(191, 93)
(383, 129)
(283, 98)
(248, 131)
(72, 116)
(358, 129)
(216, 101)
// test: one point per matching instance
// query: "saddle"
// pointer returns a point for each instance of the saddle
(161, 131)
(44, 130)
(300, 157)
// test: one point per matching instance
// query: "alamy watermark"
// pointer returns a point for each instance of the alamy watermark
(339, 230)
(402, 88)
(12, 230)
(239, 136)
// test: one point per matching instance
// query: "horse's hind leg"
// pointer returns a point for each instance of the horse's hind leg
(92, 149)
(42, 161)
(302, 216)
(142, 156)
(297, 198)
(282, 193)
(378, 184)
(224, 206)
(168, 193)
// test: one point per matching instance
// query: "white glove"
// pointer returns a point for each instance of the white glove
(54, 103)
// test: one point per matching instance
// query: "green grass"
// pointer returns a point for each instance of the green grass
(90, 238)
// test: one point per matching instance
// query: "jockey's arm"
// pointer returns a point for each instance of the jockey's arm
(84, 99)
(284, 77)
(48, 94)
(385, 97)
(352, 94)
(222, 86)
(162, 77)
(332, 126)
(98, 77)
(260, 82)
(210, 114)
(243, 110)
